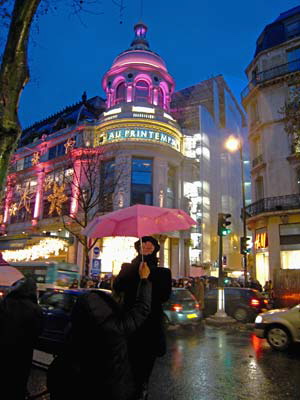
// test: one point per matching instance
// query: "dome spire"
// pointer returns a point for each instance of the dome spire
(140, 42)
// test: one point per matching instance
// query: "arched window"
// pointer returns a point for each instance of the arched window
(141, 91)
(120, 93)
(160, 98)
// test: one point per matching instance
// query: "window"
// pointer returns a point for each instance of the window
(27, 161)
(171, 188)
(120, 93)
(107, 185)
(254, 115)
(160, 98)
(292, 29)
(57, 151)
(259, 188)
(142, 91)
(293, 57)
(290, 246)
(298, 179)
(141, 181)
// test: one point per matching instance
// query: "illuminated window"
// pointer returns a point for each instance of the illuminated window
(120, 93)
(141, 181)
(141, 91)
(160, 98)
(290, 259)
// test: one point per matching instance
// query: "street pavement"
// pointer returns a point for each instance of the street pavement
(214, 363)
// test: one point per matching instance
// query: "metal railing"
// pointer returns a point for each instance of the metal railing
(271, 73)
(288, 202)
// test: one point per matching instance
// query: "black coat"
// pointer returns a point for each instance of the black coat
(20, 325)
(97, 348)
(152, 330)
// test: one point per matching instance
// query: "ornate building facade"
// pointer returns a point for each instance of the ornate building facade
(274, 215)
(100, 155)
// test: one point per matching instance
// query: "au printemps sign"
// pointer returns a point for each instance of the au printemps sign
(141, 135)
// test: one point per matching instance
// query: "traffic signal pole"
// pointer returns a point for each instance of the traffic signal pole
(223, 222)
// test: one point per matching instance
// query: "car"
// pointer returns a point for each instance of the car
(242, 304)
(182, 308)
(57, 306)
(4, 290)
(281, 327)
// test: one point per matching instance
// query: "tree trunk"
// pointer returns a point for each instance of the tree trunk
(14, 75)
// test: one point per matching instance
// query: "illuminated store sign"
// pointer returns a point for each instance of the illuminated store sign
(261, 241)
(141, 134)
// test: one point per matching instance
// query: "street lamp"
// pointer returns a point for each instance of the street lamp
(234, 144)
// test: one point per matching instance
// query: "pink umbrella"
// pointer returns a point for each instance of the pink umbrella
(9, 275)
(2, 261)
(137, 221)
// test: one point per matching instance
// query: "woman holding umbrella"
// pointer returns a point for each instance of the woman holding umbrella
(152, 330)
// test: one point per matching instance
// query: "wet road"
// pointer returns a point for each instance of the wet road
(216, 363)
(212, 363)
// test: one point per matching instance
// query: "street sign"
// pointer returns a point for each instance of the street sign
(96, 251)
(96, 267)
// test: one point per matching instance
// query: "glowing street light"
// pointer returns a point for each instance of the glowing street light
(234, 144)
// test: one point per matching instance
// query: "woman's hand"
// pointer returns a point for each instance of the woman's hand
(144, 270)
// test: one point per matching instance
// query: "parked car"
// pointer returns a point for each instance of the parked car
(281, 327)
(182, 307)
(57, 305)
(3, 291)
(243, 304)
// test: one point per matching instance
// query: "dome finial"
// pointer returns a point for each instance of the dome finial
(140, 42)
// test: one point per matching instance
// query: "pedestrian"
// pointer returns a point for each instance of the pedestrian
(197, 290)
(102, 371)
(149, 341)
(20, 326)
(74, 284)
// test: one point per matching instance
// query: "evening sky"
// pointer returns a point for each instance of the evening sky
(197, 39)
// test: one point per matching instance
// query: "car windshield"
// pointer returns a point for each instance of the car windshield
(181, 295)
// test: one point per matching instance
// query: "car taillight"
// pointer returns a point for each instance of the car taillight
(254, 302)
(176, 307)
(266, 301)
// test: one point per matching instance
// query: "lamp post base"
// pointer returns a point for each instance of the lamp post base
(220, 318)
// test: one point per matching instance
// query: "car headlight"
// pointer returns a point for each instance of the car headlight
(258, 319)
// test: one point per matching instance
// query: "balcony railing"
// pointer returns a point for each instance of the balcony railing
(268, 74)
(269, 204)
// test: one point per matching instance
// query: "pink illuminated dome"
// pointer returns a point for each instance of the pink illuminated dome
(138, 75)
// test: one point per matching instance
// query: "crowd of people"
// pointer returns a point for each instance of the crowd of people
(128, 327)
(127, 331)
(90, 282)
(198, 286)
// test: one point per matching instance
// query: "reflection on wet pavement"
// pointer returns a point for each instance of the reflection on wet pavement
(212, 363)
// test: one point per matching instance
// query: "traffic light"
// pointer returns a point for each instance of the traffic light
(244, 245)
(223, 223)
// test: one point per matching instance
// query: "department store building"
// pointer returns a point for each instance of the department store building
(157, 163)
